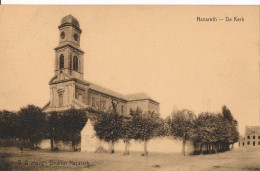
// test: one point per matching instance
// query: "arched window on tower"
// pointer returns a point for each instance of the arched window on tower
(75, 63)
(60, 100)
(61, 61)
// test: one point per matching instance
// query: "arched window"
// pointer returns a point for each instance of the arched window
(122, 109)
(61, 100)
(61, 61)
(75, 63)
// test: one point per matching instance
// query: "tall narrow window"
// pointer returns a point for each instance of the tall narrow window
(122, 109)
(104, 105)
(80, 97)
(61, 61)
(61, 100)
(93, 102)
(75, 63)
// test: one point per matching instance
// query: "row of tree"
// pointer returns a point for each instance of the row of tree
(111, 127)
(208, 132)
(30, 125)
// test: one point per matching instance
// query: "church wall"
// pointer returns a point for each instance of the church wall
(93, 103)
(153, 106)
(142, 104)
(80, 95)
(67, 89)
(83, 91)
(124, 110)
(104, 102)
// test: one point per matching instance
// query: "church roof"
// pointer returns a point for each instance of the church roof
(130, 97)
(69, 19)
(138, 96)
(105, 90)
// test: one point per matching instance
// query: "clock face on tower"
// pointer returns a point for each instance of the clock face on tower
(62, 35)
(76, 37)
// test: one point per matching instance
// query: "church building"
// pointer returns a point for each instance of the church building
(69, 90)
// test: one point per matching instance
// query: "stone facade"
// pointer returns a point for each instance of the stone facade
(69, 90)
(252, 137)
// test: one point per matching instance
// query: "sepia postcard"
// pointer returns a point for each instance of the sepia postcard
(129, 87)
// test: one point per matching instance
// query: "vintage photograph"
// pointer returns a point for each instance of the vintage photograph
(129, 87)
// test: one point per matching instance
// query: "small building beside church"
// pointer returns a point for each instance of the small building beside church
(251, 138)
(68, 89)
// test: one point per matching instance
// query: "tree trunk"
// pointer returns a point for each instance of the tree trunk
(73, 146)
(145, 148)
(52, 149)
(31, 144)
(183, 146)
(111, 147)
(126, 148)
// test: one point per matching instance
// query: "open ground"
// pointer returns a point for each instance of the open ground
(237, 159)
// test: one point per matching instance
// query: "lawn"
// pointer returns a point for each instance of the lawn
(237, 159)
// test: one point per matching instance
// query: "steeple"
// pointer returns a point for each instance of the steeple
(69, 56)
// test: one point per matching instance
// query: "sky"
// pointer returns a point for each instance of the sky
(160, 50)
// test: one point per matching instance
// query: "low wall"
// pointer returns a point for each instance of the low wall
(89, 142)
(46, 144)
(163, 145)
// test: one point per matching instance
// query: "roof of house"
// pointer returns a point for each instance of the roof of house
(252, 130)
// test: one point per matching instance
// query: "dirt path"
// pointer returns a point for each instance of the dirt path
(237, 159)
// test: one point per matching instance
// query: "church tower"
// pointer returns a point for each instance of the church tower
(67, 87)
(69, 57)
